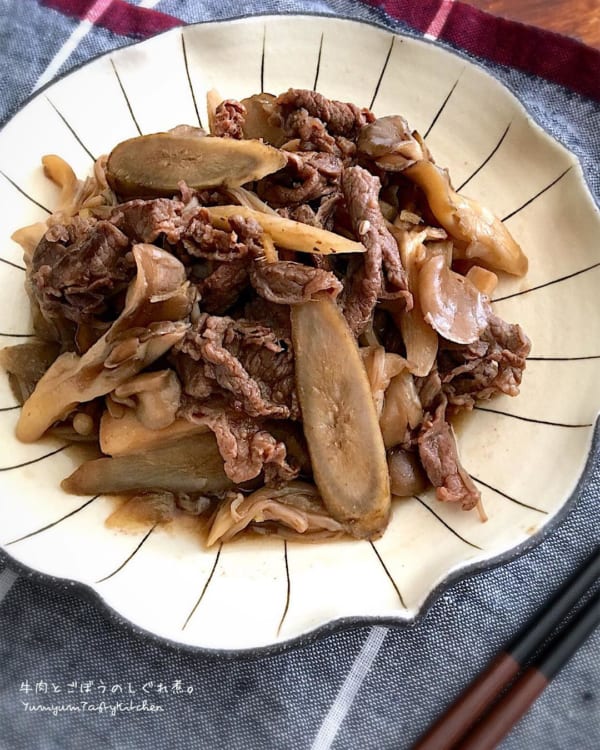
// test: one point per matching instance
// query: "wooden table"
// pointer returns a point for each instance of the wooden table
(576, 18)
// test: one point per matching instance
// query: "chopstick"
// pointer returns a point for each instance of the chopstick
(454, 724)
(510, 708)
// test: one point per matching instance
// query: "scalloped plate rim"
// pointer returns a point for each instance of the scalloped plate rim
(92, 594)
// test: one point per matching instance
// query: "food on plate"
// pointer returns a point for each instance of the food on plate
(270, 325)
(154, 165)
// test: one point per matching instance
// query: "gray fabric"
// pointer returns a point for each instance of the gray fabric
(52, 633)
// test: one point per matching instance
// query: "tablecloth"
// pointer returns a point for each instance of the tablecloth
(364, 687)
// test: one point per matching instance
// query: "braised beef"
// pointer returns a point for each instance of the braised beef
(222, 288)
(340, 118)
(78, 271)
(276, 317)
(290, 283)
(308, 176)
(303, 213)
(367, 280)
(246, 362)
(322, 124)
(493, 364)
(247, 447)
(202, 240)
(323, 218)
(236, 363)
(229, 119)
(145, 220)
(439, 457)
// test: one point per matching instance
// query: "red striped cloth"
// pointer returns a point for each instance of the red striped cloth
(546, 54)
(117, 16)
(556, 58)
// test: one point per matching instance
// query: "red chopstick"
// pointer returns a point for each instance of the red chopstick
(452, 728)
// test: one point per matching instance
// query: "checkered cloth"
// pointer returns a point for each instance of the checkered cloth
(366, 687)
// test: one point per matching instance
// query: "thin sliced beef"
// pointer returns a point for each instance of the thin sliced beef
(222, 288)
(202, 240)
(276, 317)
(323, 217)
(308, 176)
(361, 190)
(321, 124)
(145, 220)
(303, 213)
(367, 281)
(78, 271)
(290, 283)
(192, 199)
(493, 364)
(229, 119)
(246, 446)
(340, 118)
(195, 383)
(186, 226)
(312, 135)
(439, 456)
(364, 284)
(247, 363)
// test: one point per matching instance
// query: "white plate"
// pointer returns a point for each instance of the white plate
(526, 454)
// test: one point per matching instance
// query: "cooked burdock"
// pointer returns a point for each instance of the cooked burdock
(193, 464)
(340, 421)
(154, 165)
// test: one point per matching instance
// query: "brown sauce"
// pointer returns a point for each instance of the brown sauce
(134, 515)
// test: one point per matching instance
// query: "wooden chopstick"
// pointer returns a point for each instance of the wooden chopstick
(517, 701)
(454, 724)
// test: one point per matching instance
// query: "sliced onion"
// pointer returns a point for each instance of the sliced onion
(420, 340)
(479, 233)
(296, 506)
(401, 409)
(451, 303)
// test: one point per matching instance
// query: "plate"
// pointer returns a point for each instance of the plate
(525, 454)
